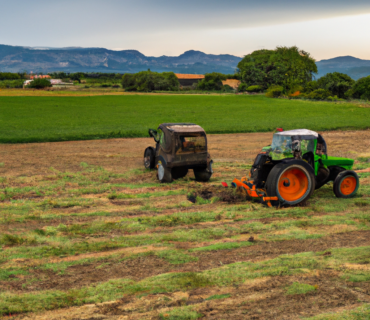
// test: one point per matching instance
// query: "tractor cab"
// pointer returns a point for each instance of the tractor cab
(303, 144)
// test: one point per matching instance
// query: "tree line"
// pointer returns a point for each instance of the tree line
(282, 72)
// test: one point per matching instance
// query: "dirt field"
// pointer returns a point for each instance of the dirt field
(122, 155)
(87, 233)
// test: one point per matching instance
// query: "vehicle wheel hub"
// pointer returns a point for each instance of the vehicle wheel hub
(160, 172)
(293, 184)
(348, 185)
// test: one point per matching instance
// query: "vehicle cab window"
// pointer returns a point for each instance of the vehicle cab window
(191, 144)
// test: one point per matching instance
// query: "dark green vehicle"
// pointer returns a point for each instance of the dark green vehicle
(296, 163)
(179, 147)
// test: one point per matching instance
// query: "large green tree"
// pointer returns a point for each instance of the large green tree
(286, 67)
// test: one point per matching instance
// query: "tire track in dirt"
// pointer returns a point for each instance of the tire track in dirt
(257, 299)
(143, 267)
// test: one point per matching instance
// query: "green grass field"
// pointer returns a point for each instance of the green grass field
(37, 119)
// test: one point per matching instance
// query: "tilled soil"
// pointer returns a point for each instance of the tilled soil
(262, 298)
(147, 266)
(257, 300)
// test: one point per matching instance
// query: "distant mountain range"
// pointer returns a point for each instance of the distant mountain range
(14, 59)
(73, 59)
(354, 67)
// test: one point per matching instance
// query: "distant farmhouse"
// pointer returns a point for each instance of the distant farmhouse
(55, 83)
(32, 77)
(233, 83)
(187, 80)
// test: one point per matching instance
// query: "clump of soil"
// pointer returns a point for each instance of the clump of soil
(223, 194)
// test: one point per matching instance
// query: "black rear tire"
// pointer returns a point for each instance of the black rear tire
(149, 158)
(346, 184)
(293, 183)
(179, 172)
(203, 175)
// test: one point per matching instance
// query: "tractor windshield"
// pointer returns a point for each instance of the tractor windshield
(281, 147)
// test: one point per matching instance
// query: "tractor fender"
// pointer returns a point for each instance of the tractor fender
(301, 163)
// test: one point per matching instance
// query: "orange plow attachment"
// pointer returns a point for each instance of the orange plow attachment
(249, 188)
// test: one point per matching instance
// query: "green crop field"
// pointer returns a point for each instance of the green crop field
(36, 119)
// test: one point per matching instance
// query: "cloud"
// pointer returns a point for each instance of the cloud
(158, 26)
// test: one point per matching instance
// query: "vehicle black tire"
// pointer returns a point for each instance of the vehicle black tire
(203, 175)
(149, 158)
(179, 172)
(163, 173)
(346, 184)
(293, 183)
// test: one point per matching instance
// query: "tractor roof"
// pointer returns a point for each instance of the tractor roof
(303, 134)
(181, 127)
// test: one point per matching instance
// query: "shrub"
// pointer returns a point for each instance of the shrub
(337, 83)
(335, 98)
(274, 92)
(9, 76)
(310, 86)
(39, 84)
(254, 89)
(227, 88)
(105, 85)
(147, 81)
(361, 89)
(242, 87)
(7, 84)
(212, 81)
(319, 94)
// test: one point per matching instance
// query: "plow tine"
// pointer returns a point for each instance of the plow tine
(236, 183)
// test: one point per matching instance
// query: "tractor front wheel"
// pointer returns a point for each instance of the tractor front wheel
(291, 183)
(346, 184)
(149, 158)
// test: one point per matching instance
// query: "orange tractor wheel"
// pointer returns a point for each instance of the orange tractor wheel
(292, 183)
(346, 184)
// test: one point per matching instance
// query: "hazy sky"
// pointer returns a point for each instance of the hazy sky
(325, 28)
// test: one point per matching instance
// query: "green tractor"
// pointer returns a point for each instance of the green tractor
(296, 163)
